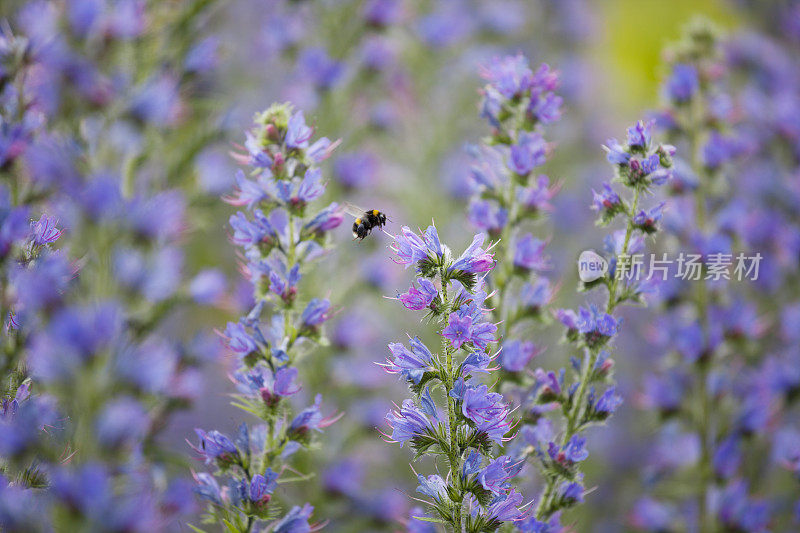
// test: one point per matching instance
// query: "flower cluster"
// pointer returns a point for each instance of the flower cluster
(280, 236)
(476, 494)
(93, 367)
(510, 197)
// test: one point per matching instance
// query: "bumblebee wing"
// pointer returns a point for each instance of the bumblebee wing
(353, 210)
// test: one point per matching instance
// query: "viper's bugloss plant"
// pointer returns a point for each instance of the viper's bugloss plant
(511, 198)
(466, 420)
(589, 396)
(281, 233)
(723, 389)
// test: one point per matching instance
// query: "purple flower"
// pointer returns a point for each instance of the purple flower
(548, 383)
(595, 325)
(14, 226)
(482, 334)
(510, 76)
(382, 12)
(297, 133)
(238, 340)
(408, 422)
(505, 508)
(532, 525)
(727, 457)
(515, 355)
(616, 153)
(719, 150)
(269, 385)
(262, 486)
(537, 295)
(529, 253)
(572, 452)
(409, 247)
(546, 107)
(605, 200)
(475, 259)
(495, 476)
(537, 197)
(608, 402)
(639, 134)
(310, 187)
(215, 445)
(315, 64)
(570, 492)
(45, 231)
(122, 421)
(487, 410)
(683, 82)
(284, 284)
(410, 363)
(208, 488)
(738, 511)
(528, 153)
(487, 215)
(652, 515)
(316, 312)
(458, 330)
(295, 521)
(647, 220)
(327, 219)
(418, 299)
(208, 286)
(309, 419)
(433, 486)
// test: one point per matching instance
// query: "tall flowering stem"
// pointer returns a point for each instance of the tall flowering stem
(706, 316)
(476, 493)
(640, 165)
(280, 236)
(510, 197)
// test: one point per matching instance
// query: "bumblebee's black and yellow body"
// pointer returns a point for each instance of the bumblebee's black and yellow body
(364, 224)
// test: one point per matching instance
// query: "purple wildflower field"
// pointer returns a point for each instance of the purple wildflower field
(283, 266)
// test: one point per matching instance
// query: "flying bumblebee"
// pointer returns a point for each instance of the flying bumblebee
(366, 221)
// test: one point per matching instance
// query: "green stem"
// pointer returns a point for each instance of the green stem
(453, 454)
(705, 469)
(575, 415)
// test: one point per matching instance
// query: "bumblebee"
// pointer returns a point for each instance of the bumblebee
(366, 221)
